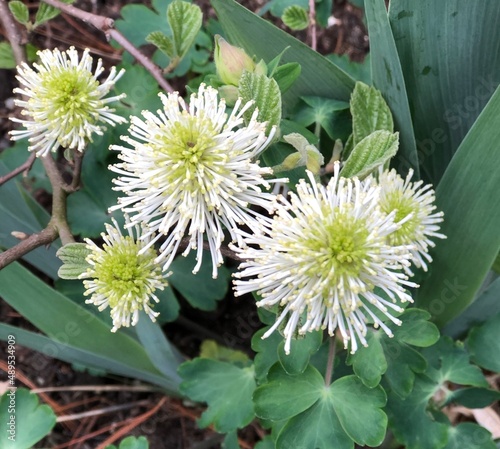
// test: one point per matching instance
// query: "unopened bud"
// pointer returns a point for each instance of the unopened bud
(231, 61)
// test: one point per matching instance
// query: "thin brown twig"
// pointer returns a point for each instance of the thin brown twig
(312, 25)
(96, 388)
(106, 24)
(101, 411)
(12, 32)
(136, 422)
(25, 167)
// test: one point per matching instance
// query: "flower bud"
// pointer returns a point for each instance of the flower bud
(231, 61)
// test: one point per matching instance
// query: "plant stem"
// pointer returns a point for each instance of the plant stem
(330, 361)
(25, 167)
(106, 25)
(312, 25)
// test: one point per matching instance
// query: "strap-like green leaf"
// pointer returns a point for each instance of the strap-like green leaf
(266, 95)
(295, 17)
(185, 21)
(372, 152)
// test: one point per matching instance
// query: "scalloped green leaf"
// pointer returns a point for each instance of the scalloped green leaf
(20, 11)
(267, 351)
(473, 397)
(162, 42)
(369, 363)
(484, 344)
(370, 153)
(266, 94)
(410, 421)
(295, 17)
(27, 424)
(226, 388)
(200, 290)
(185, 21)
(285, 396)
(469, 435)
(369, 111)
(344, 413)
(449, 361)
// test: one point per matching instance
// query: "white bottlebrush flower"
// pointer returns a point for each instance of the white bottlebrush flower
(122, 276)
(191, 171)
(63, 101)
(414, 207)
(324, 261)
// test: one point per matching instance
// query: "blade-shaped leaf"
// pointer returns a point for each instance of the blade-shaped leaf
(470, 184)
(387, 76)
(449, 74)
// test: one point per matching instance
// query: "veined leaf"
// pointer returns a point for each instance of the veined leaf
(266, 94)
(163, 42)
(20, 11)
(372, 152)
(185, 21)
(295, 17)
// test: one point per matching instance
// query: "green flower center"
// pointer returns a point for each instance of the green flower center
(190, 153)
(123, 273)
(69, 97)
(404, 206)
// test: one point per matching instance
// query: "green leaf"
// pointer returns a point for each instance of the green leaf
(369, 154)
(285, 396)
(200, 290)
(73, 257)
(484, 344)
(286, 74)
(469, 435)
(226, 388)
(266, 94)
(168, 307)
(360, 71)
(345, 412)
(319, 77)
(231, 441)
(47, 12)
(387, 75)
(267, 352)
(369, 111)
(26, 423)
(410, 421)
(77, 356)
(392, 356)
(19, 212)
(185, 21)
(322, 111)
(210, 349)
(67, 322)
(449, 361)
(163, 354)
(473, 397)
(301, 350)
(369, 363)
(446, 100)
(20, 11)
(163, 42)
(470, 183)
(139, 21)
(7, 60)
(132, 443)
(295, 18)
